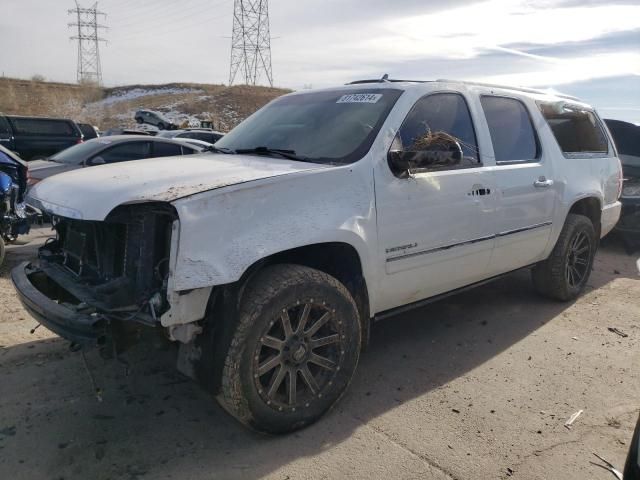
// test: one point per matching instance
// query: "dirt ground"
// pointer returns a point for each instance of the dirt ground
(476, 386)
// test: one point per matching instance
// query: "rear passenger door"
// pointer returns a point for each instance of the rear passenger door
(524, 179)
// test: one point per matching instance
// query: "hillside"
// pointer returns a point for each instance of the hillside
(181, 103)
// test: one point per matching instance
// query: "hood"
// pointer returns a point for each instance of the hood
(91, 193)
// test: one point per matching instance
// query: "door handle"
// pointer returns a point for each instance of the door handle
(542, 182)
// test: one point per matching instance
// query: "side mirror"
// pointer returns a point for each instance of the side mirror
(432, 157)
(96, 161)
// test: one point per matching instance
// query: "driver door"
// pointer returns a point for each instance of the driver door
(435, 227)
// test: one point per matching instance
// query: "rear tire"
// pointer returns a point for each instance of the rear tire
(294, 351)
(565, 273)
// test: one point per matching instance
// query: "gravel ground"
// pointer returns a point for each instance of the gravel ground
(476, 386)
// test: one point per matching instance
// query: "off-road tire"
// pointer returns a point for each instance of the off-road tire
(550, 277)
(271, 292)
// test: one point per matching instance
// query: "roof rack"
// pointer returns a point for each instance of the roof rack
(385, 79)
(506, 87)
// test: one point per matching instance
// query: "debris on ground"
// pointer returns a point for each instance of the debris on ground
(608, 466)
(617, 331)
(572, 419)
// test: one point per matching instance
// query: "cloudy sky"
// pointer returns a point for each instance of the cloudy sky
(589, 48)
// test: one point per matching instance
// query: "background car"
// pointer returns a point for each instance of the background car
(88, 131)
(13, 182)
(627, 138)
(153, 118)
(204, 134)
(37, 137)
(126, 131)
(119, 148)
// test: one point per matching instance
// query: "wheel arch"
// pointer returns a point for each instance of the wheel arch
(590, 207)
(341, 260)
(338, 259)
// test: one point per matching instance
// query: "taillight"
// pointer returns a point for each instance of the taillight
(620, 179)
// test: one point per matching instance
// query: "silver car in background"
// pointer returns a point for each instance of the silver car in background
(112, 149)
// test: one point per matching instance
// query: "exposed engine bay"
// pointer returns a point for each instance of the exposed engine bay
(113, 270)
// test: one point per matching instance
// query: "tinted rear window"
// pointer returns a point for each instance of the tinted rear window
(577, 130)
(41, 126)
(162, 149)
(88, 131)
(512, 134)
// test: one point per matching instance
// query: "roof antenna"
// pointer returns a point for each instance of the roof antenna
(385, 78)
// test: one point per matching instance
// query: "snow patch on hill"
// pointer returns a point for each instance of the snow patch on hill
(125, 95)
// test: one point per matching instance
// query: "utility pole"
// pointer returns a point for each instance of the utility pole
(251, 42)
(89, 68)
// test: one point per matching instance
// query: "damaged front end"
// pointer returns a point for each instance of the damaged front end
(98, 277)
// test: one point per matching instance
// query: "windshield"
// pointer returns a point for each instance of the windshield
(336, 126)
(80, 152)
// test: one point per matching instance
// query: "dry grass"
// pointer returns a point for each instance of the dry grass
(225, 106)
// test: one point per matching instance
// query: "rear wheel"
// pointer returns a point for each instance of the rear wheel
(564, 274)
(294, 351)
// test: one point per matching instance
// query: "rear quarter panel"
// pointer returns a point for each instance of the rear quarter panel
(578, 178)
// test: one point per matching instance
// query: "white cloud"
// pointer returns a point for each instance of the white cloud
(573, 70)
(467, 31)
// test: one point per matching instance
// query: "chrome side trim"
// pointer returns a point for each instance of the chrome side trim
(468, 242)
(524, 229)
(438, 249)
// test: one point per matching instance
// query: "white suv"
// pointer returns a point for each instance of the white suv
(267, 259)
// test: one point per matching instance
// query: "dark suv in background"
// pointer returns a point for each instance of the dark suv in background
(37, 137)
(627, 139)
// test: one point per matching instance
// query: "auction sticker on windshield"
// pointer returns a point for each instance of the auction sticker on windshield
(360, 98)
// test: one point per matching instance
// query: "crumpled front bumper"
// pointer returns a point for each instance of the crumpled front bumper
(69, 321)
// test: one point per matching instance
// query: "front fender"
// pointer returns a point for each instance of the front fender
(223, 232)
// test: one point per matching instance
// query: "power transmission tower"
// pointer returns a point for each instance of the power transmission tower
(89, 68)
(251, 42)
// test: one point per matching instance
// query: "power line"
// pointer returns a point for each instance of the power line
(158, 16)
(173, 28)
(251, 42)
(89, 68)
